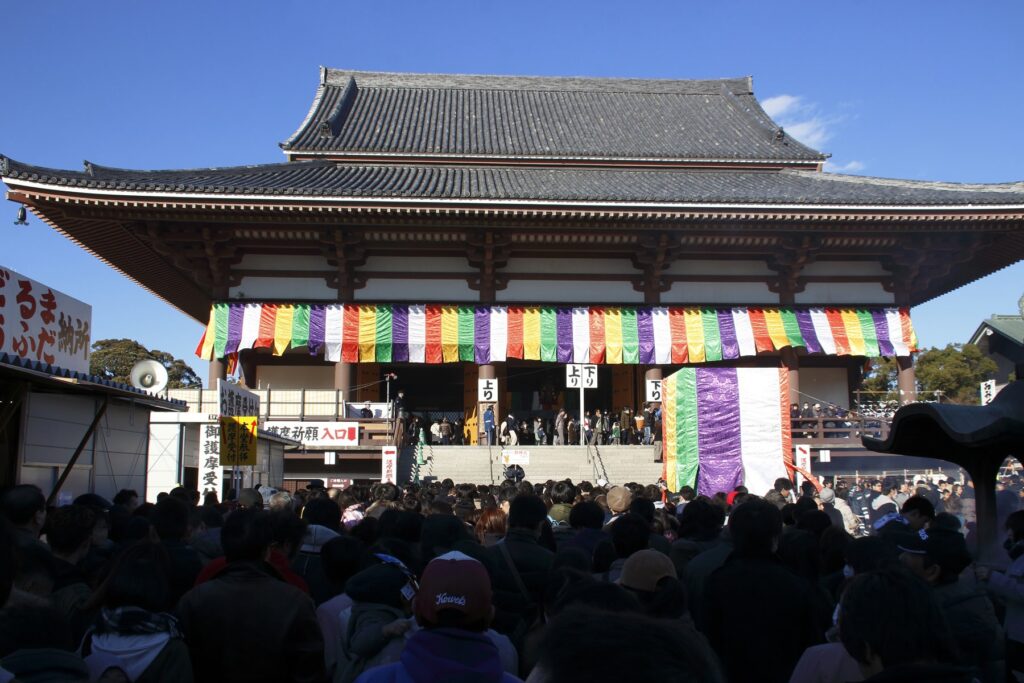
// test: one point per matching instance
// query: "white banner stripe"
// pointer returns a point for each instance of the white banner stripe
(744, 332)
(760, 428)
(250, 325)
(581, 335)
(823, 330)
(417, 334)
(895, 325)
(662, 336)
(499, 333)
(333, 323)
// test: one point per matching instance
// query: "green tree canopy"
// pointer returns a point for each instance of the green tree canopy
(955, 371)
(113, 359)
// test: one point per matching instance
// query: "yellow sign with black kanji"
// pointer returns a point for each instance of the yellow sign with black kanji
(237, 441)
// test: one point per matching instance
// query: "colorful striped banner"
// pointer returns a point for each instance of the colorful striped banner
(721, 428)
(662, 335)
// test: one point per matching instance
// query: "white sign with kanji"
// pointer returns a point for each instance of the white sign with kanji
(988, 391)
(802, 458)
(211, 474)
(653, 391)
(389, 464)
(236, 401)
(312, 434)
(580, 376)
(515, 456)
(487, 390)
(42, 324)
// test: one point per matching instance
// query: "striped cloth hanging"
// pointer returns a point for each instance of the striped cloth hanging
(383, 333)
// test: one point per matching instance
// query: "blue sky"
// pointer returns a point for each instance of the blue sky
(909, 89)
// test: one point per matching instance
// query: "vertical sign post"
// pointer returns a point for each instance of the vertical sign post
(803, 461)
(581, 377)
(239, 416)
(389, 465)
(988, 391)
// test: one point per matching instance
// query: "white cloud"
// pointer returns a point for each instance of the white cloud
(849, 167)
(802, 120)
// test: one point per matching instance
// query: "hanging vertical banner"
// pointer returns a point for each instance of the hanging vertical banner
(722, 428)
(211, 474)
(238, 419)
(389, 465)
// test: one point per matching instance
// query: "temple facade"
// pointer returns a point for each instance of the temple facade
(427, 231)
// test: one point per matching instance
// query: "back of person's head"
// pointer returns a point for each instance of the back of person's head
(701, 521)
(1015, 525)
(69, 528)
(783, 484)
(323, 512)
(870, 553)
(138, 578)
(282, 500)
(124, 497)
(440, 534)
(492, 521)
(807, 490)
(629, 533)
(341, 558)
(564, 493)
(651, 577)
(22, 503)
(246, 536)
(455, 592)
(890, 617)
(755, 528)
(170, 518)
(643, 507)
(586, 515)
(632, 647)
(250, 498)
(287, 531)
(211, 517)
(526, 512)
(919, 505)
(687, 493)
(814, 521)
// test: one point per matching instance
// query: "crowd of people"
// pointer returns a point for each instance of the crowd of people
(555, 581)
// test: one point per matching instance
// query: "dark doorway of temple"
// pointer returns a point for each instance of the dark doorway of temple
(428, 388)
(539, 389)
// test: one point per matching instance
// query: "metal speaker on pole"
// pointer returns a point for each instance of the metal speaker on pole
(149, 375)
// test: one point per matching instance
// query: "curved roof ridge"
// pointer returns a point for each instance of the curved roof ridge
(742, 85)
(1013, 186)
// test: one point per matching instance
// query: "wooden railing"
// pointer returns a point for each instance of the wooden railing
(824, 431)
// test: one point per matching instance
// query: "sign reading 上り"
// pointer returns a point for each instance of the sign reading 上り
(389, 465)
(41, 324)
(327, 434)
(580, 376)
(515, 456)
(487, 390)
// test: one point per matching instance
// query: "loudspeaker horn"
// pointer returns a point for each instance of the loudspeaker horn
(149, 375)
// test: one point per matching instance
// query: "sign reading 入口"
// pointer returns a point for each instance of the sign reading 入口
(42, 324)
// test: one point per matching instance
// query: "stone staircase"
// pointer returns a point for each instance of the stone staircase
(482, 465)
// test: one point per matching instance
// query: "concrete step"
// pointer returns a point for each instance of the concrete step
(481, 465)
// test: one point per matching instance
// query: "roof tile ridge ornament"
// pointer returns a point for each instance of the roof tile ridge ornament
(1015, 186)
(330, 126)
(89, 168)
(5, 166)
(313, 109)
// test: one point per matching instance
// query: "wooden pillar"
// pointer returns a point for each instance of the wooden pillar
(651, 374)
(906, 380)
(343, 379)
(791, 362)
(218, 370)
(247, 361)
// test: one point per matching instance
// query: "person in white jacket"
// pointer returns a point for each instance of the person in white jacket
(1008, 587)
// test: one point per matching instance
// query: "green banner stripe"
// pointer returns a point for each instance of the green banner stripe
(630, 337)
(867, 326)
(712, 335)
(548, 335)
(382, 336)
(300, 326)
(792, 327)
(466, 332)
(220, 340)
(686, 428)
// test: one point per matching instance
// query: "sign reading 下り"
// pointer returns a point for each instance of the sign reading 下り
(42, 324)
(654, 391)
(580, 376)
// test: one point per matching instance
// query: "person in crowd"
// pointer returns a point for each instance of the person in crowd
(366, 412)
(619, 498)
(884, 506)
(753, 581)
(781, 493)
(938, 559)
(918, 512)
(324, 519)
(489, 425)
(342, 558)
(135, 627)
(1007, 587)
(453, 608)
(128, 499)
(69, 533)
(560, 436)
(893, 626)
(171, 524)
(651, 577)
(24, 507)
(36, 644)
(491, 526)
(629, 534)
(246, 624)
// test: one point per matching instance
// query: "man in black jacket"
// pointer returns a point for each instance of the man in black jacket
(248, 624)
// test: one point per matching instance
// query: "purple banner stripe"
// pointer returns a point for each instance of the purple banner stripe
(727, 331)
(400, 334)
(885, 346)
(564, 318)
(482, 335)
(645, 332)
(803, 319)
(718, 430)
(317, 324)
(237, 313)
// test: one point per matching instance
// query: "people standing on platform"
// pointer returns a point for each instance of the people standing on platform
(489, 425)
(571, 430)
(599, 427)
(560, 431)
(366, 412)
(539, 433)
(640, 421)
(648, 424)
(445, 430)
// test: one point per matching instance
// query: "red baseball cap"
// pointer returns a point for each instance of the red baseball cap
(454, 581)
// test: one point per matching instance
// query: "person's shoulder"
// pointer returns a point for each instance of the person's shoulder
(386, 673)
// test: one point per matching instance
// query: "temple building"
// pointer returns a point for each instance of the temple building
(447, 228)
